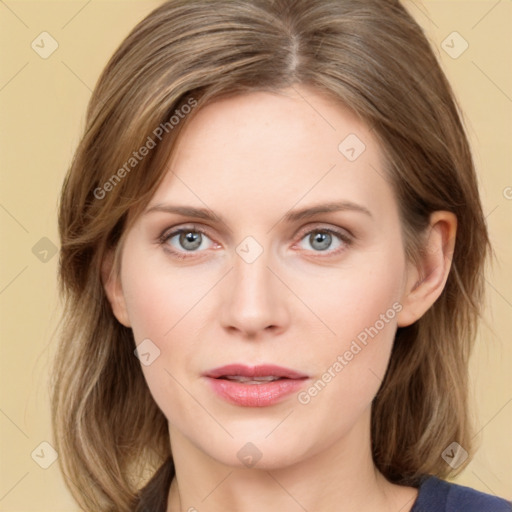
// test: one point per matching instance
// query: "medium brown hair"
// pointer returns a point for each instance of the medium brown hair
(369, 55)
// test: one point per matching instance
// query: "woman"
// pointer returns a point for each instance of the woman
(272, 253)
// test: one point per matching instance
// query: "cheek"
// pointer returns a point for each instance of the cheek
(158, 297)
(350, 368)
(360, 307)
(160, 306)
(148, 310)
(165, 305)
(351, 299)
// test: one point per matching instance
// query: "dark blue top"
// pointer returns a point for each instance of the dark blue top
(436, 495)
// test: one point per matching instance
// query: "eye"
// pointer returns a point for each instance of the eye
(189, 241)
(185, 240)
(325, 240)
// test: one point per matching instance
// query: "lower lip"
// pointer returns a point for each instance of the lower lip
(255, 395)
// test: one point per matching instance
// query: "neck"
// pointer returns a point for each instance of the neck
(340, 477)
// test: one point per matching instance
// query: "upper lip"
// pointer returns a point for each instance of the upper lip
(264, 370)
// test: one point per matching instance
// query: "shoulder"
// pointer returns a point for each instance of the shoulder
(437, 495)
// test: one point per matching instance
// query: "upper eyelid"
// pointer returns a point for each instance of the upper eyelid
(169, 233)
(318, 226)
(323, 227)
(191, 226)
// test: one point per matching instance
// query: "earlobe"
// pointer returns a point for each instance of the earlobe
(113, 290)
(426, 281)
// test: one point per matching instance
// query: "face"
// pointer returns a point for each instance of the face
(272, 240)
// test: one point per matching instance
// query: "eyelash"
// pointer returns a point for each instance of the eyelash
(167, 235)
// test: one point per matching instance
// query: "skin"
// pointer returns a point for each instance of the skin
(251, 159)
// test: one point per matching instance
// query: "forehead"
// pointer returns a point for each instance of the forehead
(271, 151)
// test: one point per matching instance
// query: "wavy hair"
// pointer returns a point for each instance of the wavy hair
(369, 55)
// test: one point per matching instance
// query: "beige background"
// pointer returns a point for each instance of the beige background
(42, 104)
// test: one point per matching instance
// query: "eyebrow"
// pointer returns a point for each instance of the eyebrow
(291, 216)
(311, 211)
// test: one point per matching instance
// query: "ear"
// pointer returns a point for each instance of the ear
(426, 280)
(113, 289)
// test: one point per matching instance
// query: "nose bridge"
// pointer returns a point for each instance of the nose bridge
(255, 300)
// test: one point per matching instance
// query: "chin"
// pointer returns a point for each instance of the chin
(252, 450)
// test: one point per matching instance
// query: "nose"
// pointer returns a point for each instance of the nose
(256, 302)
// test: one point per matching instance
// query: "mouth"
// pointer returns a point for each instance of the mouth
(251, 380)
(254, 386)
(258, 373)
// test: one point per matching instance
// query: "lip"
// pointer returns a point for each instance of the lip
(254, 395)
